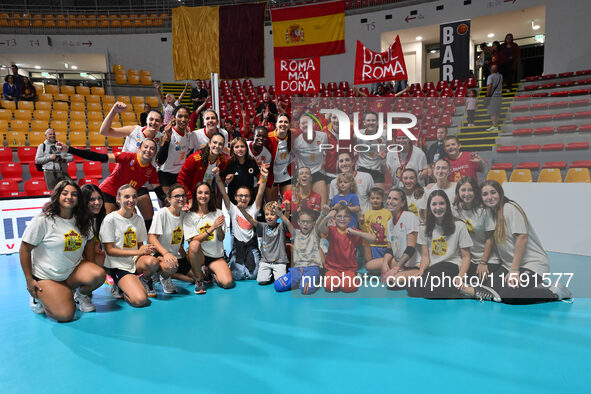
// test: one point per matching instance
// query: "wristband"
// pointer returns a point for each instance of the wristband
(409, 251)
(389, 251)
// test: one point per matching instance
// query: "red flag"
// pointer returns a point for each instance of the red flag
(297, 76)
(373, 67)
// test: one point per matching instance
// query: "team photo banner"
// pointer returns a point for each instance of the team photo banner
(455, 50)
(385, 66)
(297, 76)
(309, 30)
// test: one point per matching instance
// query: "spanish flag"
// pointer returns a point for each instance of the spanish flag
(309, 30)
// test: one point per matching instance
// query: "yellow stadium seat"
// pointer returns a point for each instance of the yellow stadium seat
(117, 67)
(94, 107)
(3, 126)
(497, 175)
(135, 100)
(44, 97)
(5, 114)
(133, 80)
(61, 106)
(132, 72)
(577, 175)
(94, 126)
(129, 108)
(521, 176)
(550, 175)
(146, 79)
(37, 137)
(124, 99)
(125, 22)
(97, 91)
(78, 116)
(91, 21)
(39, 125)
(154, 101)
(28, 105)
(107, 107)
(16, 138)
(77, 106)
(7, 104)
(116, 123)
(77, 138)
(96, 139)
(128, 118)
(109, 99)
(115, 141)
(147, 20)
(95, 116)
(59, 126)
(77, 126)
(23, 114)
(136, 21)
(40, 114)
(43, 105)
(59, 115)
(81, 20)
(61, 21)
(67, 89)
(121, 79)
(83, 90)
(25, 20)
(49, 21)
(103, 21)
(37, 20)
(61, 97)
(72, 22)
(145, 73)
(77, 98)
(19, 125)
(93, 99)
(138, 109)
(52, 89)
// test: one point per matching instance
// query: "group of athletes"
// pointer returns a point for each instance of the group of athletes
(315, 232)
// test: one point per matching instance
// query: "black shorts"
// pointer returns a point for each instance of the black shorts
(318, 177)
(142, 191)
(378, 177)
(208, 260)
(184, 266)
(167, 178)
(284, 183)
(329, 178)
(117, 274)
(109, 198)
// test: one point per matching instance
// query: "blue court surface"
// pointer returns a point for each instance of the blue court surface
(251, 339)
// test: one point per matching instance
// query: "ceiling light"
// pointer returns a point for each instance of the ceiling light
(432, 51)
(534, 26)
(419, 38)
(491, 35)
(37, 67)
(91, 77)
(67, 65)
(74, 67)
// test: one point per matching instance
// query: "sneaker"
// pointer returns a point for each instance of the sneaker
(148, 285)
(116, 292)
(562, 292)
(109, 280)
(83, 302)
(485, 293)
(493, 128)
(167, 286)
(200, 287)
(207, 276)
(36, 306)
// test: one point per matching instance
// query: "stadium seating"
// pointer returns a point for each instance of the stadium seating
(36, 187)
(11, 171)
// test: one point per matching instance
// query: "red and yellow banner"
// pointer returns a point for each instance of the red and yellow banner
(385, 66)
(309, 30)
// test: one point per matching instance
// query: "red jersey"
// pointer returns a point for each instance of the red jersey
(129, 170)
(193, 171)
(341, 250)
(462, 166)
(313, 202)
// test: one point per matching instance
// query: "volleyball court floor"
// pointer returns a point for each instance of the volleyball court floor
(252, 339)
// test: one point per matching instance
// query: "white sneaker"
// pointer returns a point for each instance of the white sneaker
(116, 292)
(167, 286)
(493, 128)
(83, 302)
(148, 285)
(36, 306)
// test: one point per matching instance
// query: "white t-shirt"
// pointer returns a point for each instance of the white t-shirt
(59, 246)
(534, 257)
(397, 233)
(306, 249)
(283, 159)
(134, 139)
(371, 159)
(417, 161)
(450, 191)
(478, 223)
(242, 229)
(194, 224)
(364, 185)
(167, 111)
(415, 205)
(263, 157)
(444, 248)
(200, 138)
(169, 230)
(123, 233)
(178, 150)
(309, 154)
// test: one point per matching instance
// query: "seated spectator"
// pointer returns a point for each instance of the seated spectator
(9, 89)
(144, 115)
(29, 93)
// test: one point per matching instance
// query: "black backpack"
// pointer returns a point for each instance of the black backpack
(39, 167)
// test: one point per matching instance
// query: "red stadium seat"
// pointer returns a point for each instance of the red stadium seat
(72, 170)
(8, 189)
(530, 165)
(563, 116)
(502, 166)
(523, 119)
(86, 181)
(523, 97)
(26, 154)
(539, 107)
(548, 76)
(558, 104)
(540, 94)
(544, 130)
(583, 72)
(577, 145)
(583, 114)
(566, 128)
(93, 169)
(550, 147)
(566, 74)
(36, 187)
(519, 108)
(522, 132)
(566, 83)
(507, 149)
(577, 92)
(5, 155)
(555, 164)
(579, 103)
(542, 118)
(532, 87)
(548, 85)
(581, 164)
(585, 127)
(34, 173)
(11, 172)
(529, 148)
(532, 78)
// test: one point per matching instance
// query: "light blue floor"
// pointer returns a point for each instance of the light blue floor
(251, 339)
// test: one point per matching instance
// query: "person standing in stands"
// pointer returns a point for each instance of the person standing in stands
(198, 96)
(509, 59)
(18, 79)
(54, 163)
(267, 109)
(169, 103)
(494, 93)
(144, 115)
